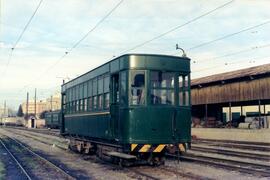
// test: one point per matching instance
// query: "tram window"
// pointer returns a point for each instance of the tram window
(184, 99)
(137, 88)
(81, 105)
(162, 79)
(80, 91)
(90, 88)
(100, 101)
(123, 89)
(85, 90)
(107, 84)
(100, 84)
(95, 87)
(181, 99)
(95, 102)
(180, 80)
(90, 105)
(77, 106)
(85, 104)
(162, 87)
(185, 81)
(162, 96)
(107, 100)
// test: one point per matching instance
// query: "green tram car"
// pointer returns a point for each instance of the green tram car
(53, 119)
(137, 106)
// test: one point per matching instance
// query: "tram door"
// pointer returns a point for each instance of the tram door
(114, 107)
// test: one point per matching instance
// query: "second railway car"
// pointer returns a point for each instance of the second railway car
(53, 119)
(135, 107)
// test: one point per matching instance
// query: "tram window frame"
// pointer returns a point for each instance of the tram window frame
(160, 90)
(133, 85)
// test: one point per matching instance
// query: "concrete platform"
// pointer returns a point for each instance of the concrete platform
(251, 135)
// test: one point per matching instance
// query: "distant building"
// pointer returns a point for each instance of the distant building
(40, 107)
(228, 96)
(51, 103)
(54, 102)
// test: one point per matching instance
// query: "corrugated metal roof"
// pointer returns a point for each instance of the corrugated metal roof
(252, 71)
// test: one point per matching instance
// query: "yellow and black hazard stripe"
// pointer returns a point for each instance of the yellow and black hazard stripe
(182, 147)
(147, 148)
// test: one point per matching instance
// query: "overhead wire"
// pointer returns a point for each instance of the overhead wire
(80, 40)
(27, 24)
(229, 35)
(76, 44)
(20, 37)
(253, 48)
(178, 27)
(252, 60)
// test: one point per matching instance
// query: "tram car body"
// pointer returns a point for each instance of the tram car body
(53, 119)
(136, 104)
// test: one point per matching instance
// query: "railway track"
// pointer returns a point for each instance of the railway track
(40, 138)
(31, 163)
(231, 141)
(240, 154)
(243, 167)
(229, 164)
(20, 169)
(235, 144)
(142, 173)
(52, 132)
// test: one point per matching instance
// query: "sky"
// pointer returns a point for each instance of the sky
(234, 36)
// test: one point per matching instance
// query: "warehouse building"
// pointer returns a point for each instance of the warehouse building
(228, 97)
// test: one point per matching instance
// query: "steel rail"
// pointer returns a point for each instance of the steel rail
(182, 174)
(14, 158)
(262, 157)
(42, 158)
(221, 163)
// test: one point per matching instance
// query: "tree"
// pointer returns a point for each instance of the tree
(20, 111)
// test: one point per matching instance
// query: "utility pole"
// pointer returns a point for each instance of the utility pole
(35, 102)
(51, 103)
(5, 107)
(27, 104)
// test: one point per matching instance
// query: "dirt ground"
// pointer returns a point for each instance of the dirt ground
(89, 167)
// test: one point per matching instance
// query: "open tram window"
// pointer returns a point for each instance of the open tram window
(137, 90)
(162, 87)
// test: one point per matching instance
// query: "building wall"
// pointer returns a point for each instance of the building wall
(232, 92)
(40, 107)
(54, 103)
(246, 109)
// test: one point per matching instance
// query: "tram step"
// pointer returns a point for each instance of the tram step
(120, 155)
